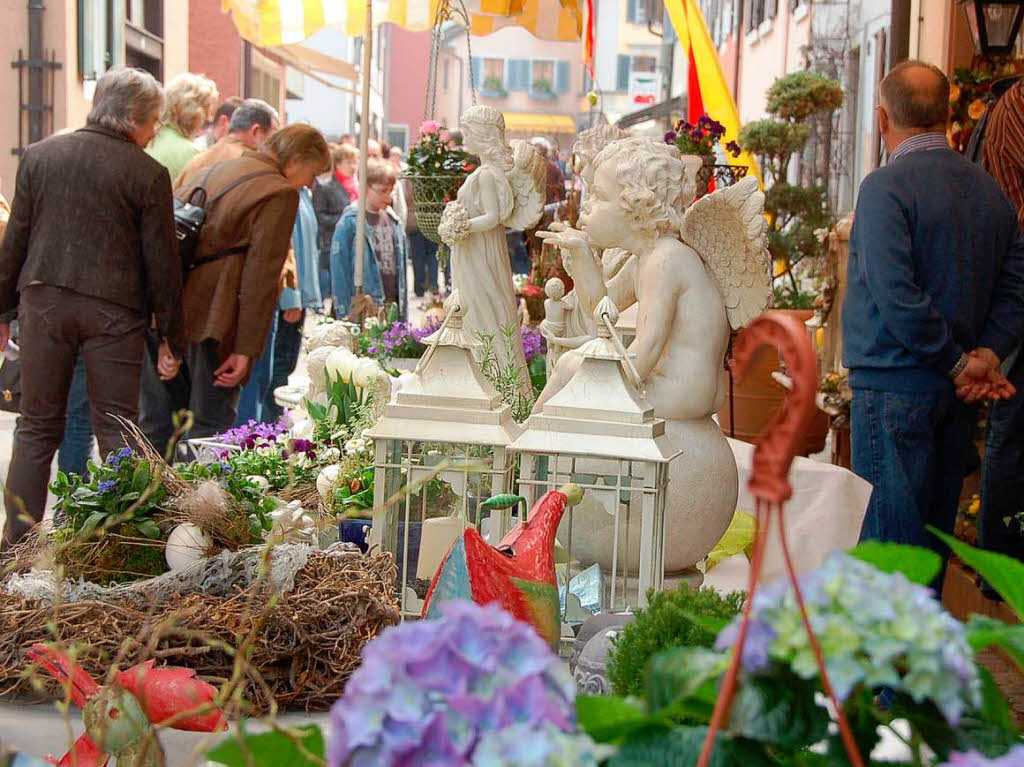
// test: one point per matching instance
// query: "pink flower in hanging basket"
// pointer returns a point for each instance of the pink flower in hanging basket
(446, 136)
(428, 127)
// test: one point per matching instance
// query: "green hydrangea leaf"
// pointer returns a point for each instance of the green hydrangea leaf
(1004, 574)
(679, 673)
(920, 565)
(610, 719)
(778, 711)
(681, 747)
(983, 631)
(270, 749)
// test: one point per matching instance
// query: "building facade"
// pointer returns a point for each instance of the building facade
(78, 40)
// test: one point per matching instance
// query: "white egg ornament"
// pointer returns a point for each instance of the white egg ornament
(326, 479)
(259, 481)
(186, 545)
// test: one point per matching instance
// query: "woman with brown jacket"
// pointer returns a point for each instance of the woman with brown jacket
(230, 295)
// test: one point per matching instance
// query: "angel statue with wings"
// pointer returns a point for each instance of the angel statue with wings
(701, 269)
(507, 190)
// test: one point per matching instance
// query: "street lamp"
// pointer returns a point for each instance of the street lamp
(994, 24)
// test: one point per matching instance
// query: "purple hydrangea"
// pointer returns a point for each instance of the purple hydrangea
(1012, 758)
(533, 343)
(428, 692)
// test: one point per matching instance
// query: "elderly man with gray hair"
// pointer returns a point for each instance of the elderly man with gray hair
(88, 258)
(250, 125)
(935, 298)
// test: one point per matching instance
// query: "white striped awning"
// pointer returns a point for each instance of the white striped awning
(282, 22)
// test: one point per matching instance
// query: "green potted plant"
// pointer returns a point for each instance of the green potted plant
(701, 140)
(542, 87)
(493, 86)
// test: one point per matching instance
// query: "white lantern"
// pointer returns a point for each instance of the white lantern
(600, 432)
(440, 448)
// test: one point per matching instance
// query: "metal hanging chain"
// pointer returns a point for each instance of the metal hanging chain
(447, 10)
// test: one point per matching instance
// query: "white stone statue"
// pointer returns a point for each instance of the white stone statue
(699, 270)
(507, 190)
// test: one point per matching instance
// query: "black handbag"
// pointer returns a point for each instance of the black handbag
(190, 215)
(10, 386)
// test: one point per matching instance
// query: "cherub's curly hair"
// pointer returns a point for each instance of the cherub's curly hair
(656, 184)
(591, 141)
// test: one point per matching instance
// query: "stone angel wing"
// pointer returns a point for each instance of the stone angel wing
(727, 229)
(528, 179)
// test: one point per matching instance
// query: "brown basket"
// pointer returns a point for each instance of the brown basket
(430, 194)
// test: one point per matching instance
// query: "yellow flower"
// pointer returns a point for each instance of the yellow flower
(976, 109)
(954, 94)
(972, 510)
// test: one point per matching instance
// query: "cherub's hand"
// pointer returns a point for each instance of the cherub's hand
(571, 242)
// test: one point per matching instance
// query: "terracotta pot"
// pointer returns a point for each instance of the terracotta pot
(758, 396)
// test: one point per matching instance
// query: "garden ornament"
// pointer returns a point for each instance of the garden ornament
(119, 716)
(507, 190)
(518, 574)
(701, 269)
(774, 450)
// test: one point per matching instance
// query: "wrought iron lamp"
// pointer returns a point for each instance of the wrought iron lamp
(994, 24)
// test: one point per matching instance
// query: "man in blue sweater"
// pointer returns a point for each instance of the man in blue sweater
(935, 296)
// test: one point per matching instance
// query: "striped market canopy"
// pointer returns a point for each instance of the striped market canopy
(281, 22)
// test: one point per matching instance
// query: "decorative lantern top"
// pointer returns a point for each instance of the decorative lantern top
(602, 411)
(994, 24)
(448, 399)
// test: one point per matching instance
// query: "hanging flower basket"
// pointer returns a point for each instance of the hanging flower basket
(430, 194)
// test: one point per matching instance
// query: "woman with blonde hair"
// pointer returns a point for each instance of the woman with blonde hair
(189, 101)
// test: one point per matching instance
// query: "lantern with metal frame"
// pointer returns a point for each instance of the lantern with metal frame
(994, 24)
(600, 432)
(440, 449)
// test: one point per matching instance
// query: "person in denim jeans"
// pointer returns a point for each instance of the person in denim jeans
(935, 290)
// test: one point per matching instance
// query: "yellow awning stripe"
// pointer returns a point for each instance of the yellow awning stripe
(281, 22)
(526, 122)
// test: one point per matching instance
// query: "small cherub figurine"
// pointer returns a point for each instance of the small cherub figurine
(553, 326)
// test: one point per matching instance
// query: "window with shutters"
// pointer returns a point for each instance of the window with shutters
(542, 78)
(492, 81)
(638, 11)
(760, 11)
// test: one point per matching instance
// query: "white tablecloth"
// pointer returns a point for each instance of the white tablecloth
(824, 515)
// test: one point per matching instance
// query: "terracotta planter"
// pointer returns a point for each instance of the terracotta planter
(758, 396)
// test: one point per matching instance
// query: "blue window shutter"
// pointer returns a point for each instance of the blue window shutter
(562, 77)
(518, 74)
(631, 11)
(478, 74)
(622, 81)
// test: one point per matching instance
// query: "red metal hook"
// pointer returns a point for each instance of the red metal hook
(774, 450)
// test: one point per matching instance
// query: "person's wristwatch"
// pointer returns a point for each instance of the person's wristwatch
(958, 368)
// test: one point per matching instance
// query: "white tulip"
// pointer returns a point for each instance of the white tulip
(366, 372)
(340, 363)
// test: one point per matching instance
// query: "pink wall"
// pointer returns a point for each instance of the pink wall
(410, 64)
(214, 47)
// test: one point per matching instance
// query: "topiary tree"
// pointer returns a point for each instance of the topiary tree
(797, 215)
(667, 621)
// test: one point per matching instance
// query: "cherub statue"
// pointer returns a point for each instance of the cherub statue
(699, 271)
(507, 190)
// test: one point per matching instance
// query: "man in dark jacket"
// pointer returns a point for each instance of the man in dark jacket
(88, 257)
(935, 292)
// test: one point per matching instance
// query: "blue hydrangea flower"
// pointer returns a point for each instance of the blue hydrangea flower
(875, 629)
(432, 692)
(522, 745)
(1012, 758)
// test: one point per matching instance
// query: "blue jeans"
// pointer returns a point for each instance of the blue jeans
(286, 355)
(912, 447)
(76, 449)
(424, 262)
(250, 403)
(1002, 473)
